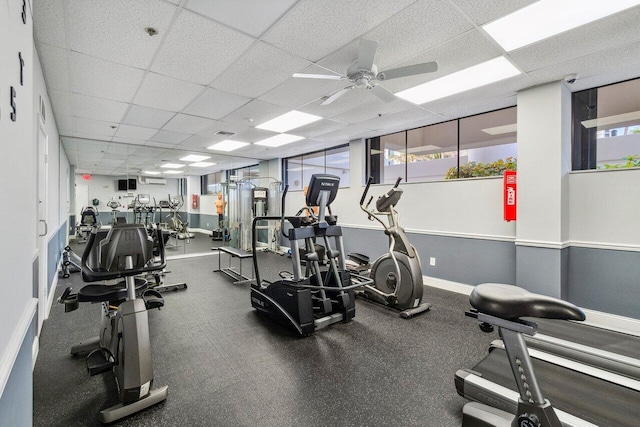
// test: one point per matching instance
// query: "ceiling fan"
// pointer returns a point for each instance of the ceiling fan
(363, 73)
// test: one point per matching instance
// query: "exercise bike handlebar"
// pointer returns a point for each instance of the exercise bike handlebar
(98, 275)
(397, 182)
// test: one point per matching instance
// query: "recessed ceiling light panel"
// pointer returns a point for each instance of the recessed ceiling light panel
(150, 172)
(291, 120)
(278, 140)
(470, 78)
(201, 164)
(172, 172)
(547, 18)
(172, 166)
(228, 145)
(194, 158)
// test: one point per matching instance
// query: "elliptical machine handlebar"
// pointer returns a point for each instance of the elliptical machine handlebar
(366, 190)
(284, 195)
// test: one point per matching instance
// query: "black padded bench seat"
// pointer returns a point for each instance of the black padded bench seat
(230, 271)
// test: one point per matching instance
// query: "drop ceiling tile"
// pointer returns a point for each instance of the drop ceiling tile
(396, 119)
(170, 137)
(328, 24)
(258, 111)
(618, 62)
(352, 99)
(103, 79)
(473, 102)
(116, 148)
(372, 110)
(483, 12)
(295, 92)
(121, 37)
(343, 135)
(318, 128)
(253, 17)
(55, 66)
(608, 33)
(468, 49)
(129, 141)
(97, 108)
(93, 128)
(135, 132)
(188, 124)
(115, 156)
(252, 135)
(60, 102)
(166, 93)
(223, 126)
(64, 123)
(200, 142)
(406, 35)
(215, 104)
(48, 22)
(260, 69)
(147, 117)
(198, 49)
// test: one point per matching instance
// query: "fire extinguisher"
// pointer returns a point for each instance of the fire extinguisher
(194, 201)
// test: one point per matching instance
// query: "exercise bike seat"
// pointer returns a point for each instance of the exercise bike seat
(101, 293)
(511, 302)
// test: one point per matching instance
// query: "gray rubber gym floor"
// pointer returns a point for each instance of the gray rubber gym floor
(225, 365)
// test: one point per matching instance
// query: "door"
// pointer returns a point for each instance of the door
(42, 228)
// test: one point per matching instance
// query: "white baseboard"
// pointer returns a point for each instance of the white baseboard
(600, 319)
(34, 351)
(10, 354)
(459, 288)
(52, 290)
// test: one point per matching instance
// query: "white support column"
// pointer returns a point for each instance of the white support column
(544, 161)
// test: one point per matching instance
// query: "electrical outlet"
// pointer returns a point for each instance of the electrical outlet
(432, 262)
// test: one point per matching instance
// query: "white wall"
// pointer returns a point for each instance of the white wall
(103, 187)
(604, 207)
(18, 168)
(467, 207)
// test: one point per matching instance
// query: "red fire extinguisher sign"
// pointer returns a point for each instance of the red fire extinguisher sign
(194, 201)
(510, 193)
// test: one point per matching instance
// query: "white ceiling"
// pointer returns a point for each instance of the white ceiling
(124, 101)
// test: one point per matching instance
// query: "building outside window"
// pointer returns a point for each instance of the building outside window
(480, 145)
(334, 161)
(606, 127)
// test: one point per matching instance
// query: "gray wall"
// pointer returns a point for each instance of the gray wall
(16, 402)
(605, 280)
(463, 260)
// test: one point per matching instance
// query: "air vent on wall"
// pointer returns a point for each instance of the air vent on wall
(224, 132)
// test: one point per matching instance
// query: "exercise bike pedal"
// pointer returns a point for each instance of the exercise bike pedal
(152, 299)
(69, 300)
(98, 362)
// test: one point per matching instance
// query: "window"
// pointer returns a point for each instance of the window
(432, 151)
(480, 145)
(334, 161)
(606, 127)
(211, 183)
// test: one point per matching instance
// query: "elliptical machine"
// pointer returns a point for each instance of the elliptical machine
(397, 275)
(174, 220)
(115, 219)
(318, 298)
(88, 219)
(123, 344)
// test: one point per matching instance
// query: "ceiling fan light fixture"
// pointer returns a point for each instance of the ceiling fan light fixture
(479, 75)
(287, 121)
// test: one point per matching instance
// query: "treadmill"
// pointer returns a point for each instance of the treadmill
(585, 388)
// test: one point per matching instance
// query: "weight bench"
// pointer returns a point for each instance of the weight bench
(230, 271)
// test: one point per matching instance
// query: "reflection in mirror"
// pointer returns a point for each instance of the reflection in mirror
(156, 183)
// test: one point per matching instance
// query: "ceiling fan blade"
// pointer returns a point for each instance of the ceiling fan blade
(409, 70)
(337, 95)
(382, 93)
(366, 54)
(319, 76)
